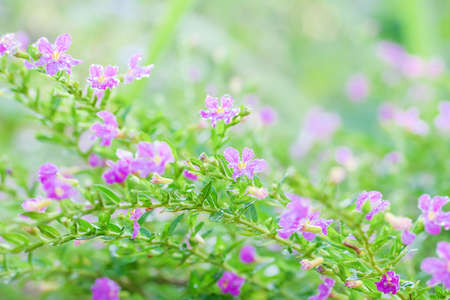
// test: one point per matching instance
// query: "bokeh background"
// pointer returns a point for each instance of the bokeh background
(288, 55)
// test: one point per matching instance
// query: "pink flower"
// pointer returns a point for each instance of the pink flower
(439, 268)
(434, 217)
(54, 184)
(152, 158)
(376, 203)
(8, 44)
(37, 204)
(325, 289)
(96, 161)
(105, 289)
(442, 121)
(298, 218)
(345, 157)
(119, 170)
(135, 215)
(410, 120)
(357, 87)
(107, 131)
(230, 283)
(135, 71)
(247, 254)
(223, 111)
(102, 79)
(256, 192)
(247, 166)
(268, 115)
(54, 56)
(402, 224)
(190, 176)
(389, 283)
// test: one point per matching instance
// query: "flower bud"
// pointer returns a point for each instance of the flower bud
(259, 193)
(198, 238)
(312, 228)
(309, 264)
(337, 175)
(354, 284)
(160, 180)
(399, 223)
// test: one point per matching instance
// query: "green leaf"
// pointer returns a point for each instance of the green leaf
(84, 226)
(108, 193)
(174, 224)
(216, 217)
(205, 192)
(251, 213)
(34, 215)
(48, 231)
(104, 218)
(16, 238)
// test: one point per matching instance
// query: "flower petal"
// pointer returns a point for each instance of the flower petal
(63, 42)
(231, 155)
(247, 154)
(211, 102)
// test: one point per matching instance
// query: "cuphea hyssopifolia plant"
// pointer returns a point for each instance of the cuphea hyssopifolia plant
(131, 184)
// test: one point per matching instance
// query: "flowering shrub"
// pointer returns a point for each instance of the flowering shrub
(147, 202)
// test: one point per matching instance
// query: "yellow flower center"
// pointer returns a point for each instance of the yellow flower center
(56, 55)
(41, 204)
(59, 191)
(101, 79)
(431, 215)
(220, 110)
(157, 159)
(241, 165)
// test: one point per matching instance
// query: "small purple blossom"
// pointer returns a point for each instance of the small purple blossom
(291, 218)
(102, 79)
(345, 157)
(8, 44)
(219, 111)
(152, 158)
(190, 176)
(357, 87)
(314, 220)
(257, 192)
(105, 289)
(439, 268)
(325, 289)
(433, 216)
(119, 170)
(231, 283)
(408, 237)
(107, 131)
(377, 204)
(442, 121)
(389, 283)
(96, 161)
(37, 204)
(136, 72)
(135, 215)
(247, 254)
(401, 224)
(245, 166)
(268, 115)
(54, 56)
(54, 184)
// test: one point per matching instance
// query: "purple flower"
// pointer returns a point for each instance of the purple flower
(409, 120)
(105, 289)
(230, 283)
(439, 268)
(442, 121)
(37, 204)
(135, 215)
(268, 115)
(135, 71)
(377, 204)
(102, 78)
(318, 126)
(402, 224)
(119, 170)
(313, 224)
(54, 56)
(325, 289)
(190, 175)
(432, 213)
(223, 111)
(391, 53)
(55, 185)
(291, 218)
(408, 237)
(96, 161)
(345, 157)
(389, 283)
(107, 131)
(247, 166)
(247, 254)
(357, 87)
(8, 44)
(152, 158)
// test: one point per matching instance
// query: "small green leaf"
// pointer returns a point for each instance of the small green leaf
(174, 224)
(34, 215)
(205, 192)
(16, 238)
(48, 231)
(108, 193)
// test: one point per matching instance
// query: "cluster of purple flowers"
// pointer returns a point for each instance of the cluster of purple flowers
(407, 119)
(108, 130)
(389, 283)
(55, 185)
(150, 158)
(105, 289)
(299, 217)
